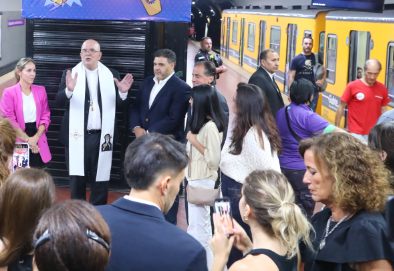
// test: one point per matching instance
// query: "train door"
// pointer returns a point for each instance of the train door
(227, 42)
(360, 47)
(263, 26)
(290, 51)
(390, 71)
(241, 43)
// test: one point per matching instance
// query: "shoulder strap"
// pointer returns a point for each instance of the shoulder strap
(297, 137)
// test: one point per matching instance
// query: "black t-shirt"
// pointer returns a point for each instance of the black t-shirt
(205, 56)
(303, 65)
(361, 238)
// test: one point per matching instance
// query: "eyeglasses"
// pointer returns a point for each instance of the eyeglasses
(45, 237)
(92, 51)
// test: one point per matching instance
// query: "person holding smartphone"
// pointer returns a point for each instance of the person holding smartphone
(26, 106)
(203, 147)
(277, 224)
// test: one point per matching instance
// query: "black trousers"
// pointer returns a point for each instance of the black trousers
(35, 158)
(98, 190)
(302, 195)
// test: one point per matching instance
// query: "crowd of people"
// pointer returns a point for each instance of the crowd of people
(272, 163)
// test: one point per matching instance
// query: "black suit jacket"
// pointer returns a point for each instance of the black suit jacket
(63, 102)
(262, 79)
(143, 240)
(167, 113)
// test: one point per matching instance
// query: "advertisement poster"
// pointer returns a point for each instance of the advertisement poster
(146, 10)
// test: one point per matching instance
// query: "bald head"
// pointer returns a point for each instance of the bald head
(90, 54)
(372, 64)
(371, 71)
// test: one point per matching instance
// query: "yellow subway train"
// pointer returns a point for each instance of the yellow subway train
(345, 40)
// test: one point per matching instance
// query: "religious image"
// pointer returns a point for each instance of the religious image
(107, 145)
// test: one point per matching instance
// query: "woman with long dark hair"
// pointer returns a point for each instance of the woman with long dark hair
(253, 145)
(72, 236)
(203, 146)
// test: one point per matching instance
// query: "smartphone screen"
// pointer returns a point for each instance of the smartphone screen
(223, 208)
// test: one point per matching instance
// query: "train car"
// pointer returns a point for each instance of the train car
(245, 33)
(345, 39)
(352, 38)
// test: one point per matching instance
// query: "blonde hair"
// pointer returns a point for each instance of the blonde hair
(271, 198)
(21, 65)
(7, 145)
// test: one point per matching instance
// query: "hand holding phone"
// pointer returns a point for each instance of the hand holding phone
(223, 209)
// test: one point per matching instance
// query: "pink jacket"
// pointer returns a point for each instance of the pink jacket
(11, 107)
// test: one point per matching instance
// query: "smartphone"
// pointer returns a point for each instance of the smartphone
(223, 208)
(390, 217)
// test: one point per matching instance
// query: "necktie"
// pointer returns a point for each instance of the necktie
(276, 86)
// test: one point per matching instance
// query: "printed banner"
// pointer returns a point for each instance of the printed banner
(145, 10)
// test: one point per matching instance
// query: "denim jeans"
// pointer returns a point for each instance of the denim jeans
(232, 190)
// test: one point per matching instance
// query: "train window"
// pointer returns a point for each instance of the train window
(234, 35)
(275, 39)
(359, 49)
(390, 70)
(331, 58)
(251, 35)
(322, 38)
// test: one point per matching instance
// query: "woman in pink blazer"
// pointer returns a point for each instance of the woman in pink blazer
(26, 106)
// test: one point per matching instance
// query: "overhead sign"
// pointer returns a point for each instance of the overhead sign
(146, 10)
(365, 5)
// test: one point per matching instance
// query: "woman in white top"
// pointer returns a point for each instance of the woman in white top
(203, 147)
(253, 145)
(26, 106)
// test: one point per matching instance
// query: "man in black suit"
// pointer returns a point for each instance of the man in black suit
(141, 238)
(89, 96)
(161, 105)
(264, 77)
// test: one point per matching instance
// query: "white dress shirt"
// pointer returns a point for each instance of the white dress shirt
(128, 197)
(94, 116)
(157, 87)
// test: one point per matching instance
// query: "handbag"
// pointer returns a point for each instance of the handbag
(201, 195)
